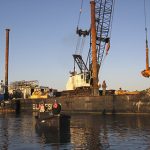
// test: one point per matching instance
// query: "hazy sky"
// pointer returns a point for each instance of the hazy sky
(43, 39)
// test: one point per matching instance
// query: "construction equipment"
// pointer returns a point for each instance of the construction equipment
(38, 94)
(126, 92)
(146, 72)
(101, 21)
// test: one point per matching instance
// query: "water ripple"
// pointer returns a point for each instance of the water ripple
(84, 132)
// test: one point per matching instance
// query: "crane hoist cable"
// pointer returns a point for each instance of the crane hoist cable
(81, 34)
(145, 17)
(79, 38)
(80, 13)
(80, 44)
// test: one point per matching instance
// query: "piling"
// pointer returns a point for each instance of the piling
(94, 51)
(6, 64)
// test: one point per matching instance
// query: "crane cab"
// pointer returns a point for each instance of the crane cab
(78, 80)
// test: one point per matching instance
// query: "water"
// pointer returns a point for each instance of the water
(84, 132)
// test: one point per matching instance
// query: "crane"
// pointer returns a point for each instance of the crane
(146, 72)
(99, 32)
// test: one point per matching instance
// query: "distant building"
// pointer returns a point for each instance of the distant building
(26, 87)
(2, 87)
(1, 90)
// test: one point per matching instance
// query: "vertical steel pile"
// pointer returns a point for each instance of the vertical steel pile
(6, 63)
(94, 51)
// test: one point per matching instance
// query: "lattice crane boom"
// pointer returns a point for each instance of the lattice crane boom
(101, 17)
(103, 14)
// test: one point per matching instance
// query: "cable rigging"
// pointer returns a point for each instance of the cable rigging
(81, 34)
(80, 13)
(80, 44)
(145, 17)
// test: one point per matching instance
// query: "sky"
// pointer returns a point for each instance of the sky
(43, 39)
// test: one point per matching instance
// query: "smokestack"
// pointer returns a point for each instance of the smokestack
(6, 63)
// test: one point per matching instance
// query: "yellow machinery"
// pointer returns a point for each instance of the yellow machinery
(39, 94)
(125, 92)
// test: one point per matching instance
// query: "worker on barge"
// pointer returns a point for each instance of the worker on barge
(104, 86)
(56, 108)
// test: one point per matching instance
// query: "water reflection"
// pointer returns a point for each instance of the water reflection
(54, 130)
(4, 133)
(110, 132)
(89, 132)
(16, 132)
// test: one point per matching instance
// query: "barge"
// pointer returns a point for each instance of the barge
(108, 104)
